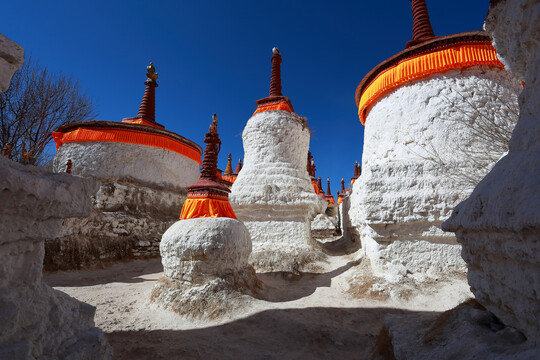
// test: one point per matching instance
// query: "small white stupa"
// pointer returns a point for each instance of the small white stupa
(205, 254)
(273, 194)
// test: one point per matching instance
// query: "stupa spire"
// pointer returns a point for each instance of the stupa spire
(228, 169)
(319, 184)
(328, 186)
(147, 110)
(422, 30)
(213, 145)
(275, 79)
(238, 166)
(208, 197)
(342, 186)
(275, 99)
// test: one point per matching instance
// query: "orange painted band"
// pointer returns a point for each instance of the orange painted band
(126, 136)
(280, 105)
(421, 66)
(197, 208)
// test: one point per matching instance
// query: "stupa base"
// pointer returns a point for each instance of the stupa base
(283, 246)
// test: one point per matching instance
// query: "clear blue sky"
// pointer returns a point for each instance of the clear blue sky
(214, 56)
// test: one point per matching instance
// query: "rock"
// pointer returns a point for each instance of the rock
(36, 321)
(126, 222)
(468, 331)
(11, 59)
(499, 224)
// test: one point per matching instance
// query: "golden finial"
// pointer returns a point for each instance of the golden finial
(151, 74)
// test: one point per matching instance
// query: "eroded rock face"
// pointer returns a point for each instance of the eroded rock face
(403, 196)
(126, 222)
(141, 194)
(273, 194)
(37, 321)
(205, 263)
(499, 224)
(11, 59)
(468, 331)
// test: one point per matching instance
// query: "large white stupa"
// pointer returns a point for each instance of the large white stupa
(143, 170)
(417, 107)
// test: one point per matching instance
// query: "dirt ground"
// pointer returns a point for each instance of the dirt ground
(334, 314)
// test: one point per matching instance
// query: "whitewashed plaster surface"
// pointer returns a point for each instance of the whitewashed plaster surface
(194, 249)
(499, 224)
(38, 322)
(146, 164)
(205, 262)
(402, 195)
(273, 194)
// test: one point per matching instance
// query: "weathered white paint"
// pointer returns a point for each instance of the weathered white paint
(401, 199)
(273, 194)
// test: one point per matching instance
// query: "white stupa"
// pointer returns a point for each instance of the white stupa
(143, 170)
(273, 194)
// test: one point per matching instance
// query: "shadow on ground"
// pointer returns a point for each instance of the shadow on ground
(285, 286)
(343, 245)
(311, 333)
(129, 272)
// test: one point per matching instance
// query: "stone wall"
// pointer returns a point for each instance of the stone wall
(499, 224)
(404, 195)
(126, 222)
(36, 321)
(141, 194)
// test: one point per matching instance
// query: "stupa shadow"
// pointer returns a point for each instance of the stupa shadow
(282, 286)
(344, 245)
(313, 333)
(128, 272)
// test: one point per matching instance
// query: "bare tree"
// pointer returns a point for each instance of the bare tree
(36, 103)
(490, 129)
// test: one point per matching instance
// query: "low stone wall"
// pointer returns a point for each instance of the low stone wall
(126, 222)
(324, 226)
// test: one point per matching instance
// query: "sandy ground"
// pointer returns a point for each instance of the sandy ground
(334, 314)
